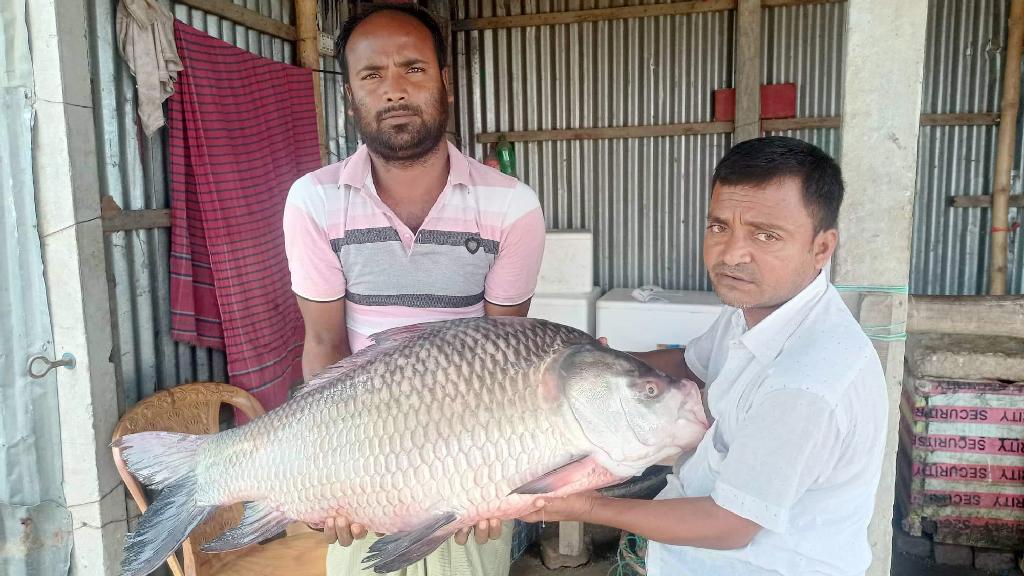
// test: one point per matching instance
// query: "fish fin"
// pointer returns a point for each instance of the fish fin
(396, 551)
(166, 461)
(583, 472)
(383, 343)
(259, 522)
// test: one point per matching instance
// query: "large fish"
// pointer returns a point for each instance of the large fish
(431, 429)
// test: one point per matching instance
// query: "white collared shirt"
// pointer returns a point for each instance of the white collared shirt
(799, 408)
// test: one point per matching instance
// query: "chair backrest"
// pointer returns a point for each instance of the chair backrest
(189, 409)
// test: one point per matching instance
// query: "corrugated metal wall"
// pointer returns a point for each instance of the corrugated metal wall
(805, 45)
(133, 172)
(963, 73)
(645, 199)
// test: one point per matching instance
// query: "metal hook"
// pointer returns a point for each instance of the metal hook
(67, 360)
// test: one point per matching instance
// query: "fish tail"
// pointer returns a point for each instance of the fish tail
(166, 462)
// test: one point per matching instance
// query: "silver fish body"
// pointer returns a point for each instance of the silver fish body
(437, 426)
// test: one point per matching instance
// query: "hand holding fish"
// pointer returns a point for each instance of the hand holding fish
(574, 507)
(483, 531)
(339, 529)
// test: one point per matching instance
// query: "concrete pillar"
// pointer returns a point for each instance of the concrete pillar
(881, 108)
(67, 203)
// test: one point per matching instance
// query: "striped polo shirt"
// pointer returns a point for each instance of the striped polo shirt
(482, 240)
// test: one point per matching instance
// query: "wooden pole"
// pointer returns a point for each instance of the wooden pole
(308, 46)
(1005, 151)
(748, 70)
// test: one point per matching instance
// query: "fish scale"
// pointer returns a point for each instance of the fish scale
(364, 443)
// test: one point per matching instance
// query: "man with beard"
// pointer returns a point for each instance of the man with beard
(406, 230)
(784, 481)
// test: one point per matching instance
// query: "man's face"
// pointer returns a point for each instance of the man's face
(397, 90)
(760, 245)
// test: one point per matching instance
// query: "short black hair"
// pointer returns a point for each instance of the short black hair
(413, 10)
(762, 160)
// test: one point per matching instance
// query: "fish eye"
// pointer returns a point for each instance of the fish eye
(651, 390)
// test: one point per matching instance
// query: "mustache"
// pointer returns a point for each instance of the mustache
(398, 109)
(741, 272)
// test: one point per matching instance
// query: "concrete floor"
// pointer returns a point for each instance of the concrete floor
(530, 565)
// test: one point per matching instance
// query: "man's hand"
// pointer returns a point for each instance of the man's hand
(339, 529)
(343, 531)
(575, 508)
(483, 531)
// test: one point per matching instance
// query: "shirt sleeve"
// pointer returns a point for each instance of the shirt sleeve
(773, 460)
(512, 278)
(315, 268)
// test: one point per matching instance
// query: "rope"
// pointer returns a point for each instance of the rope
(896, 332)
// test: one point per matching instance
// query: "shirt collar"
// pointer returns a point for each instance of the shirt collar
(766, 339)
(356, 171)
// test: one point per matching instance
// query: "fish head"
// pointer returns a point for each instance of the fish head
(633, 413)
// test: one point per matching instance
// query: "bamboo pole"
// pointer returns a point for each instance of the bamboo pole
(1005, 151)
(308, 48)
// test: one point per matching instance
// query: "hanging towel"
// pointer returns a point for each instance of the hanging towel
(145, 39)
(241, 129)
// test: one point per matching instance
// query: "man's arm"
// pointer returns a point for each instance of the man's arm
(698, 522)
(670, 361)
(522, 309)
(326, 339)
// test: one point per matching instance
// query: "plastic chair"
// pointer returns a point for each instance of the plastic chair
(195, 409)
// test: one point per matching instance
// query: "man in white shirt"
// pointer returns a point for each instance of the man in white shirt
(784, 481)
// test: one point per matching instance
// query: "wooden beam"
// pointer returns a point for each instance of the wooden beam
(608, 133)
(308, 49)
(597, 15)
(1005, 151)
(691, 128)
(985, 201)
(835, 121)
(244, 16)
(782, 124)
(787, 3)
(115, 219)
(959, 119)
(626, 12)
(748, 71)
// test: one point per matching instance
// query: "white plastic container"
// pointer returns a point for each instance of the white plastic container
(576, 310)
(568, 264)
(636, 326)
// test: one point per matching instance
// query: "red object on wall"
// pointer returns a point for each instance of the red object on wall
(777, 101)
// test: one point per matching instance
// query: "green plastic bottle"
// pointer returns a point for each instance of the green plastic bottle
(506, 156)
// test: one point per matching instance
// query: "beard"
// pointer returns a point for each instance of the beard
(406, 142)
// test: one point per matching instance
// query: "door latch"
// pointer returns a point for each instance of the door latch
(67, 360)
